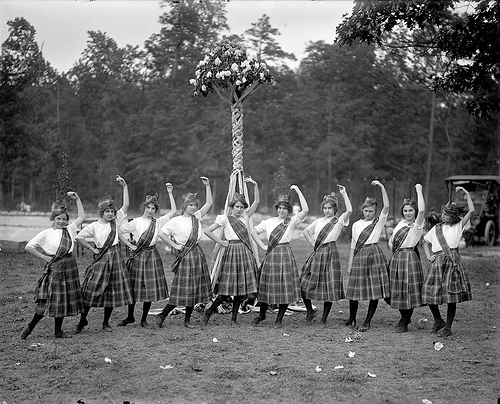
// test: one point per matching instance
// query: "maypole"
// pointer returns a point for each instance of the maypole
(228, 72)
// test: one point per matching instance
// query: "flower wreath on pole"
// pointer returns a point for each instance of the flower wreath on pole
(227, 71)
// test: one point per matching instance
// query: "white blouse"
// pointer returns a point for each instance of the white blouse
(315, 227)
(268, 225)
(229, 233)
(452, 235)
(140, 224)
(413, 236)
(180, 228)
(362, 224)
(50, 239)
(99, 231)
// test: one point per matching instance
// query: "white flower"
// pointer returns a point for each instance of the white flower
(244, 79)
(218, 75)
(209, 74)
(217, 62)
(192, 82)
(238, 82)
(261, 76)
(197, 73)
(202, 63)
(203, 87)
(234, 67)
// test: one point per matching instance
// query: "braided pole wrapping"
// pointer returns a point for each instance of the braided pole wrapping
(237, 133)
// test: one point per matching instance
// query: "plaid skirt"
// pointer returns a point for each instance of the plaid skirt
(445, 283)
(238, 272)
(279, 279)
(106, 282)
(191, 283)
(369, 278)
(58, 293)
(147, 277)
(321, 277)
(406, 278)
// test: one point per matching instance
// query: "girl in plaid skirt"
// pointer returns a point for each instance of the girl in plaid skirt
(191, 283)
(58, 293)
(321, 277)
(368, 278)
(279, 279)
(405, 268)
(238, 269)
(106, 282)
(447, 280)
(145, 268)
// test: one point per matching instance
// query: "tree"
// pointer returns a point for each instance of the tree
(24, 78)
(189, 27)
(260, 40)
(469, 40)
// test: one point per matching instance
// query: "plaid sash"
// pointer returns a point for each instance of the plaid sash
(61, 252)
(276, 235)
(190, 243)
(241, 231)
(399, 238)
(455, 285)
(325, 231)
(107, 244)
(364, 236)
(143, 242)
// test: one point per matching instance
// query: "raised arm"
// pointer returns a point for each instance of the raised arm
(173, 206)
(303, 203)
(470, 205)
(81, 212)
(208, 204)
(347, 201)
(126, 200)
(256, 200)
(385, 197)
(420, 219)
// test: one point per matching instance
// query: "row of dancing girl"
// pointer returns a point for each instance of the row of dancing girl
(110, 281)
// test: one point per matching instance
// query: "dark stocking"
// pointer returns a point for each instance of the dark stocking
(372, 308)
(450, 315)
(307, 303)
(213, 307)
(438, 320)
(262, 313)
(83, 316)
(145, 311)
(107, 314)
(327, 307)
(187, 316)
(34, 321)
(236, 306)
(281, 313)
(353, 311)
(58, 321)
(166, 311)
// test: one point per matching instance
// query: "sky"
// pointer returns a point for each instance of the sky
(61, 25)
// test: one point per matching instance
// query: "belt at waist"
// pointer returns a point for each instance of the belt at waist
(235, 241)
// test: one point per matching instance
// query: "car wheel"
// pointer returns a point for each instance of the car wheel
(489, 233)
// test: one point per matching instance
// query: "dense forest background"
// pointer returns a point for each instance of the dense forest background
(346, 116)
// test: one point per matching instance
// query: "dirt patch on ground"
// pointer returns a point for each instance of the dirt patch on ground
(223, 364)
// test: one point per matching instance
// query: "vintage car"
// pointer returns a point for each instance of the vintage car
(485, 193)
